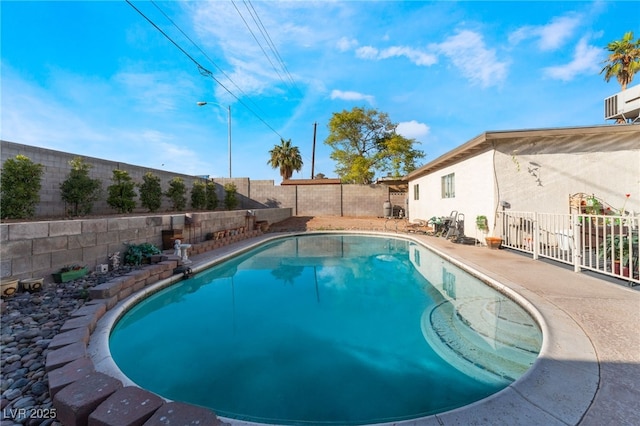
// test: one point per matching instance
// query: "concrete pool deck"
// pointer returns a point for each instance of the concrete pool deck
(601, 376)
(589, 369)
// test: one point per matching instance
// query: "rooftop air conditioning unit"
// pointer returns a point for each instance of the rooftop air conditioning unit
(624, 105)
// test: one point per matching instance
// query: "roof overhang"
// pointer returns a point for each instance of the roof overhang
(487, 141)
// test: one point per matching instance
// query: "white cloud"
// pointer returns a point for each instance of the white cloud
(153, 91)
(345, 44)
(550, 36)
(416, 56)
(585, 61)
(412, 129)
(253, 63)
(479, 64)
(351, 96)
(367, 52)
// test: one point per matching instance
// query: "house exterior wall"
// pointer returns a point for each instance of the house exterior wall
(537, 171)
(474, 193)
(540, 175)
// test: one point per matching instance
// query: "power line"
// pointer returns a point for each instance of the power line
(203, 71)
(270, 43)
(263, 32)
(205, 54)
(257, 42)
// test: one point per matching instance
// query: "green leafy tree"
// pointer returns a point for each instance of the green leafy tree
(150, 192)
(212, 197)
(199, 195)
(230, 196)
(21, 180)
(176, 193)
(122, 192)
(364, 141)
(623, 61)
(285, 157)
(79, 190)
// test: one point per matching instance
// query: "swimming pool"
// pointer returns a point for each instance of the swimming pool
(329, 328)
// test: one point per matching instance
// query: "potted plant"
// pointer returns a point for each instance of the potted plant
(617, 247)
(593, 206)
(493, 243)
(482, 223)
(138, 254)
(70, 273)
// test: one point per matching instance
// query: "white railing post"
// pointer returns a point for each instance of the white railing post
(536, 237)
(582, 240)
(577, 237)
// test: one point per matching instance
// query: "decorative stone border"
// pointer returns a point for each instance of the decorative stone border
(81, 395)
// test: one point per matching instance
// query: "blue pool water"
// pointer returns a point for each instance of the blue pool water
(327, 329)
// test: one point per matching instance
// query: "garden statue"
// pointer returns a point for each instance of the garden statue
(114, 260)
(176, 248)
(185, 256)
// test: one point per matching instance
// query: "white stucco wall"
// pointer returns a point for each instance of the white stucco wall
(534, 171)
(474, 193)
(535, 179)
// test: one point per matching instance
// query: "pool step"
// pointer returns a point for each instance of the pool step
(503, 321)
(486, 341)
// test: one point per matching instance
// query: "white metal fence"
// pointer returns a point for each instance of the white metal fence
(604, 244)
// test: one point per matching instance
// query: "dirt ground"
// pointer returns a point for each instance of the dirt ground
(323, 223)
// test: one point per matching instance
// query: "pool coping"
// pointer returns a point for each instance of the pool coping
(550, 393)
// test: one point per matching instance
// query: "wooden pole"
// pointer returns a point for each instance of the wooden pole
(313, 151)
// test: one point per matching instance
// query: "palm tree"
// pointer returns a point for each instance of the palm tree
(623, 61)
(285, 157)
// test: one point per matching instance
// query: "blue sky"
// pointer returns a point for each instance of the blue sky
(98, 79)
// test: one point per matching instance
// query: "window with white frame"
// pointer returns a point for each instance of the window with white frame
(416, 192)
(449, 186)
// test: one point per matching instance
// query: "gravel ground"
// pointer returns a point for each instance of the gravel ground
(320, 223)
(29, 322)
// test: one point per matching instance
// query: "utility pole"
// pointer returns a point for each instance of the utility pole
(313, 151)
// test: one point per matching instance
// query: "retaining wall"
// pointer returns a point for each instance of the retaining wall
(37, 249)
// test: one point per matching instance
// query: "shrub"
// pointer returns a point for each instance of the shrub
(136, 254)
(150, 192)
(21, 182)
(198, 195)
(122, 192)
(212, 197)
(176, 193)
(230, 199)
(79, 189)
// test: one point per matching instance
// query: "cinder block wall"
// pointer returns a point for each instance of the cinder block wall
(399, 201)
(265, 194)
(325, 200)
(38, 249)
(304, 200)
(56, 170)
(364, 200)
